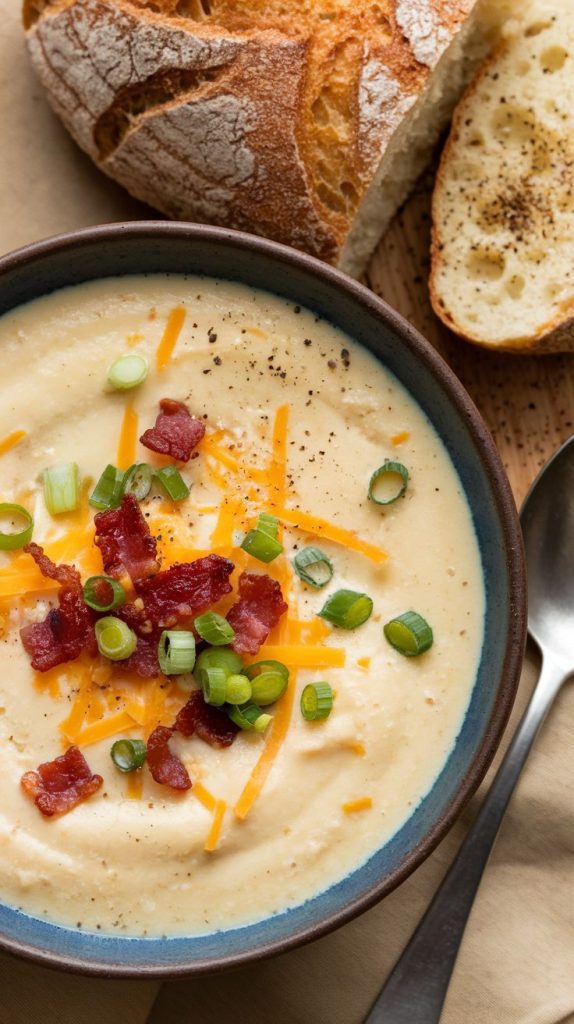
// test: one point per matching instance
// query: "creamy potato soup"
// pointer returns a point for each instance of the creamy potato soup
(297, 419)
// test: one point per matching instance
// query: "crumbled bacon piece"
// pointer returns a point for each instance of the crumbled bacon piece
(258, 610)
(185, 589)
(67, 630)
(176, 432)
(211, 724)
(60, 785)
(144, 661)
(123, 537)
(165, 767)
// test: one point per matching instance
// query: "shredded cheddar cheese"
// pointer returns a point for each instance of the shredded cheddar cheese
(277, 735)
(170, 337)
(126, 455)
(322, 528)
(106, 727)
(401, 437)
(364, 662)
(135, 785)
(11, 440)
(215, 830)
(364, 803)
(296, 656)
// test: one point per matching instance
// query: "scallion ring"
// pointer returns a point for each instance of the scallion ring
(388, 483)
(109, 489)
(176, 652)
(137, 480)
(219, 657)
(409, 634)
(261, 545)
(267, 687)
(267, 665)
(347, 609)
(128, 372)
(268, 524)
(62, 488)
(214, 629)
(249, 717)
(316, 701)
(172, 483)
(213, 683)
(128, 755)
(13, 539)
(114, 638)
(103, 594)
(314, 567)
(237, 689)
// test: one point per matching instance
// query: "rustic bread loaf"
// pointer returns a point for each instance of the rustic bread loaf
(304, 120)
(503, 251)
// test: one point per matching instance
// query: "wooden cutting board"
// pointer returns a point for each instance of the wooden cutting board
(527, 402)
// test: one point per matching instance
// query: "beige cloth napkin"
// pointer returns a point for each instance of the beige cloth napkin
(517, 961)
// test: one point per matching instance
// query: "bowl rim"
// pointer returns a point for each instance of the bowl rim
(515, 568)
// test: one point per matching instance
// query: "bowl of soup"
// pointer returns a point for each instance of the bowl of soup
(262, 599)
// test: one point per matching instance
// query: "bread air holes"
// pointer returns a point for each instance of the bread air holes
(553, 59)
(536, 28)
(486, 265)
(515, 286)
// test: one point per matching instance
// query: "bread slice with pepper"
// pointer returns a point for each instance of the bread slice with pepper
(503, 208)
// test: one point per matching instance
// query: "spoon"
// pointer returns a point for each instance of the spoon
(416, 988)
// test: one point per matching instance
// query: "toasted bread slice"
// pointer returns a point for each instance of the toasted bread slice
(503, 208)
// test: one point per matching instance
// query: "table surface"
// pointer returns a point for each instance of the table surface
(515, 963)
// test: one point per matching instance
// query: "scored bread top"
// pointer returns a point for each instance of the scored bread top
(270, 116)
(503, 210)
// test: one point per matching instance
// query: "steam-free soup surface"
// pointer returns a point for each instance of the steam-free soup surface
(132, 858)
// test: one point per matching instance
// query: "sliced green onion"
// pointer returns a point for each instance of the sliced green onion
(127, 372)
(214, 629)
(137, 480)
(347, 608)
(13, 539)
(249, 717)
(268, 665)
(62, 488)
(219, 657)
(128, 755)
(213, 683)
(172, 482)
(268, 524)
(409, 634)
(267, 687)
(237, 689)
(395, 478)
(103, 594)
(314, 567)
(109, 489)
(261, 545)
(176, 652)
(114, 638)
(316, 701)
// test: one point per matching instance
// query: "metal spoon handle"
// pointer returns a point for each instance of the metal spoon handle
(417, 986)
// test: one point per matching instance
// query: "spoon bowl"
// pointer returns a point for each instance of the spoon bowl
(547, 519)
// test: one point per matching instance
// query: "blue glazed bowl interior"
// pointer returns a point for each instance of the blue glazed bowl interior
(167, 248)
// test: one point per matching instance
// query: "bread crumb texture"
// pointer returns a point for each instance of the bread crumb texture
(503, 211)
(270, 116)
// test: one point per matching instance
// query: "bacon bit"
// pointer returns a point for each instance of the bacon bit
(209, 723)
(144, 661)
(67, 630)
(185, 589)
(165, 767)
(123, 537)
(258, 610)
(60, 785)
(176, 432)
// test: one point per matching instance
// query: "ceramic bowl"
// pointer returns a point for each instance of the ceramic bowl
(138, 248)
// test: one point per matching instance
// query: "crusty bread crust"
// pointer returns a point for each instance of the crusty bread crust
(270, 116)
(556, 335)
